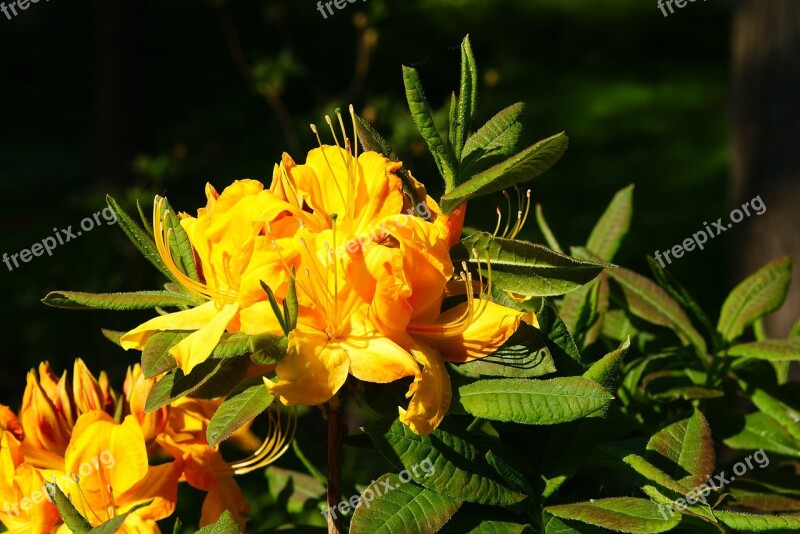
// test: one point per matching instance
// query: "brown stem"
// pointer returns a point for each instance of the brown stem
(336, 431)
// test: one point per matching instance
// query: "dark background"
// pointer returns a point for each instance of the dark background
(135, 98)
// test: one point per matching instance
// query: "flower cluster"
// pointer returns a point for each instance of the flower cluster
(374, 311)
(106, 454)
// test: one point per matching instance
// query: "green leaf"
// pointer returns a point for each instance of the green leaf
(684, 450)
(784, 414)
(298, 491)
(73, 519)
(654, 474)
(290, 305)
(526, 268)
(276, 309)
(181, 249)
(552, 242)
(648, 301)
(372, 141)
(606, 370)
(775, 350)
(423, 118)
(225, 525)
(208, 379)
(467, 97)
(621, 514)
(534, 402)
(676, 290)
(493, 142)
(268, 349)
(762, 501)
(560, 342)
(141, 240)
(407, 509)
(113, 525)
(554, 525)
(458, 468)
(481, 522)
(523, 355)
(758, 523)
(140, 300)
(522, 167)
(248, 400)
(758, 295)
(157, 360)
(608, 233)
(113, 336)
(763, 432)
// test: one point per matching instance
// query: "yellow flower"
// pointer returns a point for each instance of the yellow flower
(203, 467)
(25, 504)
(112, 474)
(136, 389)
(371, 282)
(239, 241)
(50, 409)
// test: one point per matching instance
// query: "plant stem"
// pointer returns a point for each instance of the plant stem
(336, 430)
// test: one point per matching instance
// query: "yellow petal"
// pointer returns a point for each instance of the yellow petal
(103, 453)
(312, 371)
(160, 485)
(198, 345)
(193, 319)
(483, 336)
(430, 392)
(222, 496)
(378, 360)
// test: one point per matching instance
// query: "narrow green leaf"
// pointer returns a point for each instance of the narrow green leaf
(140, 300)
(647, 300)
(756, 296)
(141, 240)
(774, 350)
(552, 242)
(290, 305)
(113, 336)
(610, 230)
(785, 415)
(225, 525)
(534, 402)
(113, 525)
(560, 342)
(522, 167)
(372, 141)
(423, 118)
(452, 134)
(407, 509)
(526, 268)
(621, 514)
(458, 469)
(72, 518)
(763, 432)
(181, 248)
(299, 491)
(156, 358)
(677, 291)
(684, 450)
(467, 97)
(606, 370)
(248, 400)
(275, 308)
(758, 523)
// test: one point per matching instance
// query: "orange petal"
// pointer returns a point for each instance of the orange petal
(430, 392)
(482, 337)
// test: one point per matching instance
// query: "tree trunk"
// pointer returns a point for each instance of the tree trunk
(766, 141)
